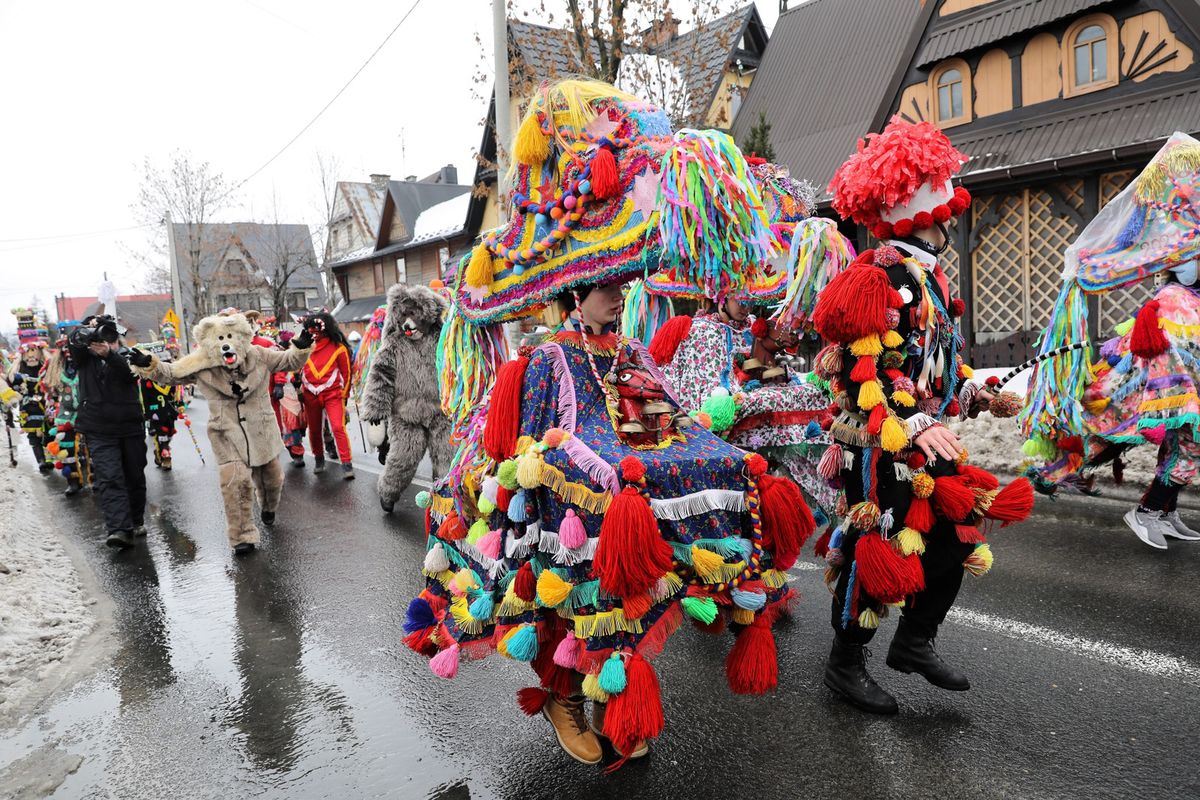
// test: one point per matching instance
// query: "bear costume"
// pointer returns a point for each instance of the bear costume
(402, 390)
(234, 375)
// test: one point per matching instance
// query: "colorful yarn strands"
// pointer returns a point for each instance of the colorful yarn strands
(645, 312)
(367, 350)
(817, 255)
(468, 359)
(713, 225)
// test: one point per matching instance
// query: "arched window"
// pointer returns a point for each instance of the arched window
(950, 88)
(1090, 54)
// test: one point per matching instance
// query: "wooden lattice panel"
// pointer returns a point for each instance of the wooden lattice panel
(998, 265)
(950, 265)
(1050, 233)
(1112, 184)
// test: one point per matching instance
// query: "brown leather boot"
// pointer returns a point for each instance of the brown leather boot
(597, 725)
(570, 725)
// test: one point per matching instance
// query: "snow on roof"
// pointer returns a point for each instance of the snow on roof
(445, 219)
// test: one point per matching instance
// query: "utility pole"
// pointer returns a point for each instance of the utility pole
(176, 288)
(503, 118)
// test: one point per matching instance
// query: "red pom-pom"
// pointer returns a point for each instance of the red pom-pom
(954, 498)
(636, 714)
(756, 464)
(886, 256)
(787, 521)
(883, 573)
(875, 420)
(953, 408)
(1014, 502)
(941, 213)
(630, 555)
(666, 340)
(504, 411)
(1071, 444)
(1147, 339)
(958, 307)
(420, 642)
(916, 460)
(751, 666)
(531, 699)
(758, 328)
(821, 548)
(960, 202)
(903, 227)
(525, 584)
(606, 181)
(922, 220)
(993, 381)
(882, 230)
(632, 470)
(920, 515)
(452, 528)
(863, 370)
(854, 304)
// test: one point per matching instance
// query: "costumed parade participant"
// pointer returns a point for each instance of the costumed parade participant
(725, 362)
(913, 506)
(61, 384)
(234, 376)
(401, 400)
(1144, 387)
(25, 377)
(582, 518)
(160, 407)
(325, 385)
(288, 406)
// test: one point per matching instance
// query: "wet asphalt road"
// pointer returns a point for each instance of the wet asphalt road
(282, 674)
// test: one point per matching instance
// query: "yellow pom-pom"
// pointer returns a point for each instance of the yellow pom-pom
(922, 485)
(967, 372)
(482, 267)
(743, 616)
(1096, 406)
(870, 394)
(532, 147)
(868, 619)
(464, 579)
(909, 541)
(980, 560)
(892, 339)
(551, 589)
(892, 437)
(592, 690)
(529, 471)
(706, 562)
(903, 398)
(867, 346)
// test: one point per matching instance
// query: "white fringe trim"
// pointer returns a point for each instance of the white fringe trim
(701, 502)
(550, 545)
(903, 472)
(966, 397)
(494, 567)
(919, 423)
(521, 548)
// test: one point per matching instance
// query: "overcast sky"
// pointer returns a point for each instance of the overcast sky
(91, 89)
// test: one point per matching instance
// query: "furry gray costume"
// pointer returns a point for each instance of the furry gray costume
(402, 390)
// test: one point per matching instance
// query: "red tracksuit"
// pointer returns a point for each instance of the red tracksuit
(325, 384)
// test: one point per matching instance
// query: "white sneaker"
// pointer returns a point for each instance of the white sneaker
(1149, 527)
(1176, 529)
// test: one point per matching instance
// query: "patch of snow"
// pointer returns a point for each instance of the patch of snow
(44, 609)
(445, 219)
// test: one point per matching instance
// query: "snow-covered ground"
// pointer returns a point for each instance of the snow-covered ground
(44, 609)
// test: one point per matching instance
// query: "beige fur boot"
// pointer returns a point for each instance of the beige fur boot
(237, 490)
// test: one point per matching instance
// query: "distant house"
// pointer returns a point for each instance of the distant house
(141, 314)
(354, 223)
(246, 265)
(1057, 104)
(420, 226)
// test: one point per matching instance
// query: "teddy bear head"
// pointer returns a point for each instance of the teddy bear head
(413, 312)
(224, 338)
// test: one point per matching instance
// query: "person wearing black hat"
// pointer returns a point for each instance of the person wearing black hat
(110, 418)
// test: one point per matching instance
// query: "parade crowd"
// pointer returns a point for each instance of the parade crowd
(634, 468)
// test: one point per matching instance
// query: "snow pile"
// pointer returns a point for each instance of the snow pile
(44, 610)
(445, 219)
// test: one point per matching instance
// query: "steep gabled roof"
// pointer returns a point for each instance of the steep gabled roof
(261, 242)
(828, 67)
(406, 201)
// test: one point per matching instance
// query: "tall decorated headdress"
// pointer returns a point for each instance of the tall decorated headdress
(1151, 226)
(602, 191)
(898, 180)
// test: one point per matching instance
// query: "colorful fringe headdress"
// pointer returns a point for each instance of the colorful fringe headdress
(1151, 226)
(898, 181)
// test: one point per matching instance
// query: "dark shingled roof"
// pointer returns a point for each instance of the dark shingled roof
(410, 198)
(142, 317)
(828, 67)
(263, 242)
(547, 52)
(959, 33)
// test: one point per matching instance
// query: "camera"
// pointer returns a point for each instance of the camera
(103, 328)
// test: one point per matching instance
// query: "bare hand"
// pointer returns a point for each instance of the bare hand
(939, 442)
(983, 399)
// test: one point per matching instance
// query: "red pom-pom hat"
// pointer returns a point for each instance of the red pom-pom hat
(898, 181)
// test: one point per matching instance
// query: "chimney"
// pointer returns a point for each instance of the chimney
(660, 31)
(379, 180)
(448, 175)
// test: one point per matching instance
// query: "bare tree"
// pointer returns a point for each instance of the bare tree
(187, 194)
(287, 251)
(156, 278)
(328, 168)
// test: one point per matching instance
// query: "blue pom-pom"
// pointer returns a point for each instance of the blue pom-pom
(523, 645)
(420, 616)
(612, 675)
(751, 601)
(481, 607)
(516, 507)
(835, 540)
(1113, 360)
(750, 386)
(820, 517)
(813, 430)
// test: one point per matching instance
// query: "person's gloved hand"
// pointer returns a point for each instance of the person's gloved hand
(303, 340)
(17, 380)
(139, 358)
(376, 433)
(277, 391)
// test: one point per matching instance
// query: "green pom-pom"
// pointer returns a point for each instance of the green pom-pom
(478, 530)
(612, 675)
(424, 499)
(1040, 447)
(701, 609)
(507, 474)
(1125, 327)
(720, 410)
(485, 506)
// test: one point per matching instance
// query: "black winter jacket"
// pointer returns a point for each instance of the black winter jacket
(109, 397)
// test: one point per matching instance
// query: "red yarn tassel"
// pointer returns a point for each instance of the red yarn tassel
(855, 303)
(531, 699)
(635, 714)
(631, 555)
(525, 585)
(421, 643)
(503, 498)
(1014, 502)
(977, 477)
(751, 666)
(787, 521)
(714, 627)
(636, 606)
(969, 534)
(1147, 339)
(920, 515)
(666, 341)
(606, 180)
(883, 573)
(504, 410)
(452, 528)
(953, 497)
(821, 548)
(875, 420)
(863, 370)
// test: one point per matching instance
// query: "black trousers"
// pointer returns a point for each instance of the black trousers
(119, 479)
(39, 453)
(943, 558)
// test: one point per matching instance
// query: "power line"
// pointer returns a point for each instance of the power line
(69, 236)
